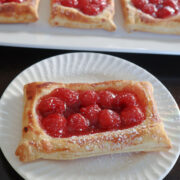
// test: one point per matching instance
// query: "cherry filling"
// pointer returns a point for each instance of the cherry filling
(8, 1)
(158, 8)
(65, 113)
(89, 7)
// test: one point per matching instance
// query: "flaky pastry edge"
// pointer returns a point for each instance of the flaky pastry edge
(25, 12)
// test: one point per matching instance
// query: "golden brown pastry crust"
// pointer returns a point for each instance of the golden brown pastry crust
(136, 20)
(25, 12)
(73, 18)
(35, 143)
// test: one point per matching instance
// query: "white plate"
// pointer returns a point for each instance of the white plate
(88, 67)
(41, 35)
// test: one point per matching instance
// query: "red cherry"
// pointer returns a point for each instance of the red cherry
(51, 105)
(77, 123)
(124, 99)
(92, 7)
(172, 3)
(69, 96)
(150, 9)
(91, 113)
(88, 98)
(69, 3)
(131, 116)
(89, 7)
(83, 3)
(139, 3)
(165, 12)
(109, 119)
(156, 2)
(98, 2)
(54, 125)
(91, 10)
(106, 99)
(7, 1)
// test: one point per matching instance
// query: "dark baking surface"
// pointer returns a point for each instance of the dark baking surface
(14, 60)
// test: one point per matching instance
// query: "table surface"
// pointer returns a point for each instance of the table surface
(14, 60)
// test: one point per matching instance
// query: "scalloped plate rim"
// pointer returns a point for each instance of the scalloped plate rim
(110, 56)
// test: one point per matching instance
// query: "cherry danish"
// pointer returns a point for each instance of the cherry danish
(77, 120)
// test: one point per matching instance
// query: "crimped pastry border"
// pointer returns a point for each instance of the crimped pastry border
(25, 12)
(35, 143)
(73, 18)
(136, 20)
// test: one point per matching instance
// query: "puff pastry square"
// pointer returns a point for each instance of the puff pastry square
(36, 143)
(137, 20)
(22, 12)
(74, 18)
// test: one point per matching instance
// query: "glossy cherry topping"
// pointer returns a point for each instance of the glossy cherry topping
(65, 113)
(77, 123)
(51, 105)
(88, 98)
(54, 124)
(106, 99)
(89, 7)
(91, 113)
(158, 8)
(69, 3)
(131, 116)
(124, 99)
(8, 1)
(66, 95)
(109, 119)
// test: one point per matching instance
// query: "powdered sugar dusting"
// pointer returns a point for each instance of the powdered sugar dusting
(108, 141)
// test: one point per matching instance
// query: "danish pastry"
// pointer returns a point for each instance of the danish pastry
(18, 11)
(156, 16)
(87, 14)
(76, 120)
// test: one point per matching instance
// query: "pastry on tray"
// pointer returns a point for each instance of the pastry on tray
(18, 11)
(86, 14)
(76, 120)
(156, 16)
